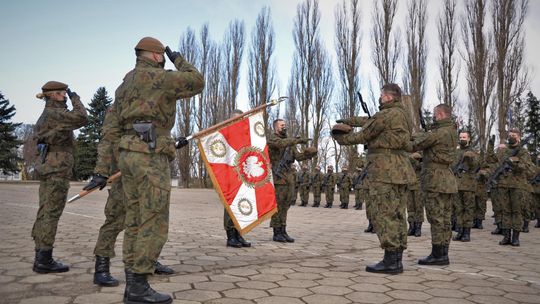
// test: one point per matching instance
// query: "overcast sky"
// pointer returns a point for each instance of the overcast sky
(89, 44)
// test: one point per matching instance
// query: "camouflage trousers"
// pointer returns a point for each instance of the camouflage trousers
(317, 195)
(293, 195)
(369, 205)
(511, 202)
(480, 202)
(115, 215)
(329, 195)
(415, 207)
(388, 203)
(536, 205)
(344, 195)
(146, 181)
(228, 223)
(526, 207)
(357, 197)
(465, 208)
(495, 204)
(279, 219)
(52, 200)
(304, 194)
(438, 208)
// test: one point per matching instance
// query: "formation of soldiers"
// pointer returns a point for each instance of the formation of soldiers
(403, 173)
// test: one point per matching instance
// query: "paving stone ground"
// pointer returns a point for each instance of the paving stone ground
(325, 264)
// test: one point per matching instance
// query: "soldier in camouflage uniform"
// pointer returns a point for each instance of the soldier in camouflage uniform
(480, 201)
(356, 183)
(344, 184)
(145, 105)
(316, 184)
(389, 171)
(283, 152)
(293, 187)
(115, 209)
(438, 183)
(54, 135)
(415, 206)
(464, 169)
(536, 194)
(329, 186)
(513, 187)
(303, 185)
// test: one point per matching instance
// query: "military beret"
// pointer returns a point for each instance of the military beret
(340, 129)
(54, 86)
(150, 44)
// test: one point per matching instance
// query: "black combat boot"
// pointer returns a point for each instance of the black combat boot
(507, 237)
(102, 275)
(459, 235)
(286, 235)
(129, 281)
(241, 239)
(316, 204)
(278, 236)
(355, 205)
(139, 291)
(515, 238)
(44, 263)
(389, 264)
(525, 228)
(358, 207)
(369, 228)
(344, 206)
(400, 259)
(537, 223)
(303, 204)
(412, 228)
(466, 237)
(162, 269)
(328, 205)
(438, 256)
(418, 229)
(479, 222)
(232, 241)
(474, 223)
(498, 229)
(454, 225)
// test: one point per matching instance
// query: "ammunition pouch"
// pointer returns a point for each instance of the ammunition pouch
(146, 132)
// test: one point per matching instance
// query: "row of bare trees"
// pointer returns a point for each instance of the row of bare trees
(322, 84)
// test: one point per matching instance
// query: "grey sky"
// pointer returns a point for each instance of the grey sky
(89, 44)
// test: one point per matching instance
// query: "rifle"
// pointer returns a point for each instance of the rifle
(43, 150)
(505, 167)
(284, 163)
(535, 180)
(422, 121)
(363, 104)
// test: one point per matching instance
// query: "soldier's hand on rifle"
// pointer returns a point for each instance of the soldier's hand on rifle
(70, 93)
(181, 142)
(172, 55)
(98, 180)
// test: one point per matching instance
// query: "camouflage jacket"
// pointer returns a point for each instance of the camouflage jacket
(107, 159)
(439, 148)
(303, 178)
(344, 180)
(316, 179)
(356, 184)
(355, 121)
(521, 172)
(149, 93)
(417, 166)
(55, 128)
(277, 145)
(329, 180)
(466, 180)
(387, 135)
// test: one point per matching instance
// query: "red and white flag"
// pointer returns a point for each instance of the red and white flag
(236, 157)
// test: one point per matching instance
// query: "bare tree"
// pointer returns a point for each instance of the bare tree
(261, 69)
(347, 43)
(385, 42)
(480, 68)
(233, 50)
(508, 17)
(446, 27)
(185, 110)
(415, 76)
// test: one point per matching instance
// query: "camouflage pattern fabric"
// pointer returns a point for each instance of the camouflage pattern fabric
(357, 188)
(389, 171)
(480, 199)
(344, 185)
(316, 184)
(496, 204)
(536, 205)
(303, 185)
(511, 202)
(526, 209)
(415, 205)
(55, 128)
(276, 149)
(329, 184)
(293, 187)
(465, 201)
(115, 214)
(438, 206)
(149, 93)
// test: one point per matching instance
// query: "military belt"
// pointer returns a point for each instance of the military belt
(159, 132)
(60, 149)
(385, 151)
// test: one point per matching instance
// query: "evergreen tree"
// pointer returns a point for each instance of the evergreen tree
(90, 135)
(532, 123)
(428, 118)
(9, 158)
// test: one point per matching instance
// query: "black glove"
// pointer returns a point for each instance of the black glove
(340, 121)
(181, 142)
(98, 180)
(172, 55)
(70, 93)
